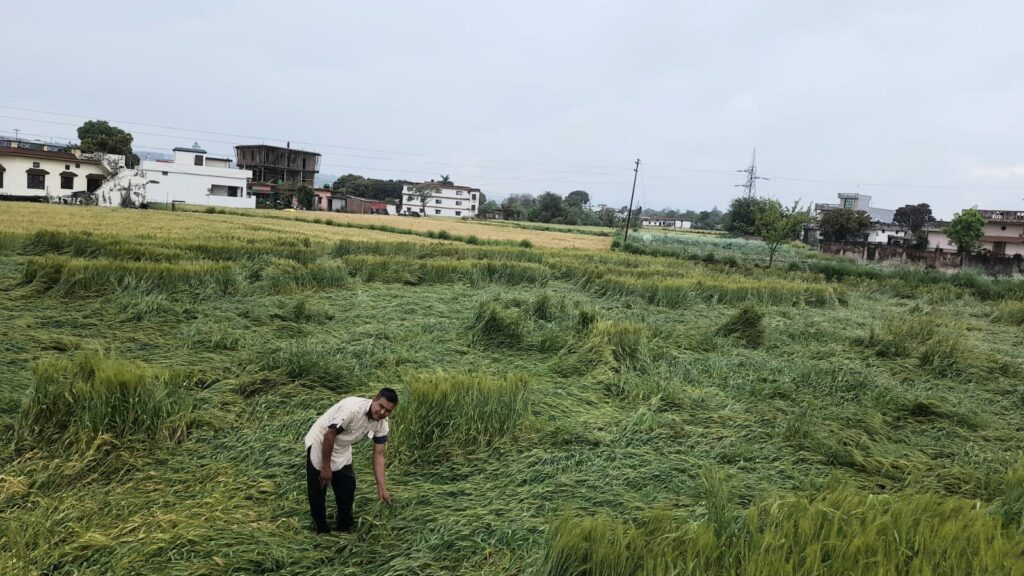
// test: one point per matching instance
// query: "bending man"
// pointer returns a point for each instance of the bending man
(329, 454)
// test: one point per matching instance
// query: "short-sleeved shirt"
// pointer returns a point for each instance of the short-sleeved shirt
(351, 419)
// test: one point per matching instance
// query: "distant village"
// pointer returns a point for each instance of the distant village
(265, 176)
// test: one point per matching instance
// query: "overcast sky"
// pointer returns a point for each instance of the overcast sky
(906, 101)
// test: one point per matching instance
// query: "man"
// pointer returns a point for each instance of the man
(329, 454)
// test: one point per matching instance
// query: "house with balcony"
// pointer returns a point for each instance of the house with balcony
(440, 199)
(195, 177)
(1002, 234)
(882, 231)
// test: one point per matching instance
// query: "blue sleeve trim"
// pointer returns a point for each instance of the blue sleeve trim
(380, 439)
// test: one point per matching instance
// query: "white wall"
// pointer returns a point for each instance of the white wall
(191, 184)
(16, 177)
(445, 202)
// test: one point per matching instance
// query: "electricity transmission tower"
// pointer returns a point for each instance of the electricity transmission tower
(752, 177)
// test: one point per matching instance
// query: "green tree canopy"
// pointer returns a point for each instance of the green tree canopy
(549, 208)
(100, 136)
(965, 231)
(578, 198)
(913, 216)
(844, 224)
(742, 215)
(775, 225)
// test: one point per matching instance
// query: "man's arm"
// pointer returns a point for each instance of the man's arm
(325, 457)
(378, 472)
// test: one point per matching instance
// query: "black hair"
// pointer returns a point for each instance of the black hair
(388, 394)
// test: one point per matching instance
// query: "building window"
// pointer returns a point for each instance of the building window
(67, 166)
(199, 160)
(437, 201)
(999, 247)
(35, 164)
(458, 202)
(408, 198)
(67, 182)
(458, 192)
(457, 213)
(77, 165)
(163, 173)
(36, 182)
(848, 203)
(473, 196)
(472, 207)
(437, 211)
(421, 210)
(1, 178)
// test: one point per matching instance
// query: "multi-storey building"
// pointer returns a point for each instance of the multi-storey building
(1003, 233)
(276, 169)
(440, 199)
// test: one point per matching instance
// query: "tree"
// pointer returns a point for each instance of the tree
(100, 136)
(844, 224)
(607, 217)
(965, 231)
(445, 179)
(305, 197)
(913, 217)
(488, 207)
(549, 208)
(518, 206)
(424, 192)
(578, 198)
(775, 225)
(742, 215)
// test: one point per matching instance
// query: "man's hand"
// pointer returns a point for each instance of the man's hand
(325, 477)
(384, 495)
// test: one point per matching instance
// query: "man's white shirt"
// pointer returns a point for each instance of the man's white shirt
(351, 419)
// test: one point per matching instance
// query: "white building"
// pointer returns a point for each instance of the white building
(1002, 234)
(45, 172)
(441, 199)
(194, 177)
(665, 223)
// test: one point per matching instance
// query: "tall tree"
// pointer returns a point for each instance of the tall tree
(518, 206)
(742, 215)
(913, 216)
(550, 208)
(844, 224)
(578, 198)
(775, 225)
(965, 231)
(100, 136)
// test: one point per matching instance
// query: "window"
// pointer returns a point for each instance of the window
(35, 164)
(437, 211)
(458, 192)
(67, 166)
(848, 203)
(77, 165)
(458, 202)
(473, 197)
(457, 213)
(199, 159)
(437, 201)
(421, 210)
(67, 182)
(472, 206)
(999, 247)
(163, 173)
(1, 178)
(408, 198)
(36, 182)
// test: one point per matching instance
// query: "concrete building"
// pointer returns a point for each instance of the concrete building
(194, 177)
(277, 171)
(665, 223)
(854, 201)
(441, 199)
(1002, 234)
(33, 171)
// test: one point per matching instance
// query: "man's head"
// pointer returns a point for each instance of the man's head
(383, 404)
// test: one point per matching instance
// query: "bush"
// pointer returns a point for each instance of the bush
(91, 395)
(747, 325)
(445, 415)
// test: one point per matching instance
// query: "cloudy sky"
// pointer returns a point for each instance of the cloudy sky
(906, 101)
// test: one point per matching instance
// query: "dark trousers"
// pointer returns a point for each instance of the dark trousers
(343, 483)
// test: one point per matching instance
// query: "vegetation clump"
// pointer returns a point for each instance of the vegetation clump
(746, 325)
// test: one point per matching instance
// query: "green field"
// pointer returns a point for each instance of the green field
(674, 409)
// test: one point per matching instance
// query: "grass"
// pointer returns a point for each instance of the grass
(563, 410)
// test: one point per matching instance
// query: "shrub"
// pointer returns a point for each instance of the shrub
(447, 415)
(1011, 313)
(496, 325)
(747, 325)
(92, 395)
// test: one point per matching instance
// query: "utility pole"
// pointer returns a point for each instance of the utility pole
(629, 212)
(752, 177)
